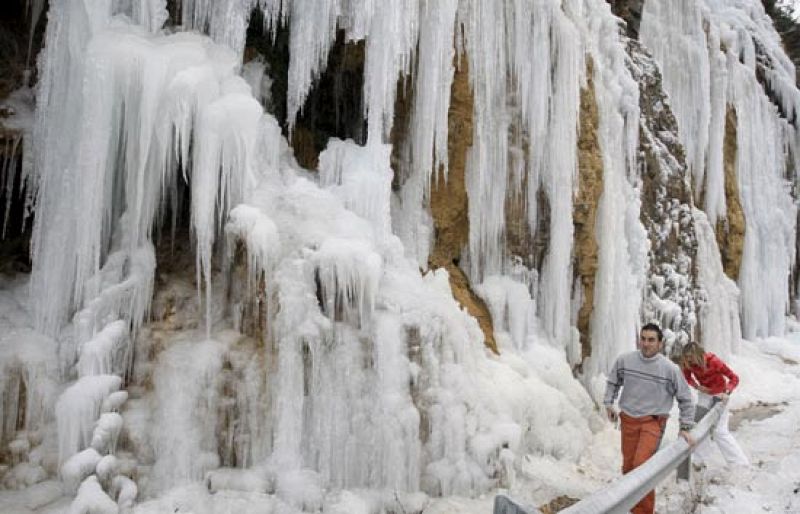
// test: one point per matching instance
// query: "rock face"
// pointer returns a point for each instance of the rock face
(730, 231)
(584, 215)
(449, 204)
(788, 30)
(666, 212)
(631, 12)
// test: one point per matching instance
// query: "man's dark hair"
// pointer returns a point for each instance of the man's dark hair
(652, 327)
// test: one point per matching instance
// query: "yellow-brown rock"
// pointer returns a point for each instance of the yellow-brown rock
(590, 187)
(730, 231)
(449, 204)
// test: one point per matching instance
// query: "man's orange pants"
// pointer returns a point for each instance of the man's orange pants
(640, 440)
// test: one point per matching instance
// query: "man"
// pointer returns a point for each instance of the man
(649, 382)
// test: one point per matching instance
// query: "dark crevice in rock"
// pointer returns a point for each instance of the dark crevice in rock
(14, 38)
(17, 69)
(334, 106)
(630, 11)
(15, 228)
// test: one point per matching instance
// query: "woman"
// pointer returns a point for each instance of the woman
(712, 378)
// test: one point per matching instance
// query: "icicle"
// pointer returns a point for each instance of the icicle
(719, 310)
(8, 175)
(362, 178)
(676, 32)
(673, 31)
(434, 77)
(769, 210)
(397, 418)
(511, 306)
(35, 8)
(555, 164)
(313, 31)
(117, 296)
(187, 382)
(29, 380)
(77, 410)
(391, 42)
(623, 247)
(298, 323)
(224, 155)
(151, 14)
(105, 354)
(61, 78)
(260, 237)
(349, 272)
(714, 187)
(260, 83)
(487, 161)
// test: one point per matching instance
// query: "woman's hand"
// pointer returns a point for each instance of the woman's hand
(703, 390)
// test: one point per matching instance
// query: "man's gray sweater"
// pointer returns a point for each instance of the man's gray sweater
(648, 387)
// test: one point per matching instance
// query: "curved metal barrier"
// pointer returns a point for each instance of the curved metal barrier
(626, 492)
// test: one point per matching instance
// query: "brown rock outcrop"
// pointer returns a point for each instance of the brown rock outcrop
(730, 231)
(449, 204)
(584, 215)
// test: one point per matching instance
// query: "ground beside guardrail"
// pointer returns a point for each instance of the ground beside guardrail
(626, 492)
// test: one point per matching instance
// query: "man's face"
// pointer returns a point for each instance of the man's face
(649, 343)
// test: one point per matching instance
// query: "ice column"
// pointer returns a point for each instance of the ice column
(487, 161)
(361, 176)
(61, 75)
(622, 240)
(673, 31)
(719, 309)
(187, 381)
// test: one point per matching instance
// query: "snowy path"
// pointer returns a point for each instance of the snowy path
(770, 374)
(773, 484)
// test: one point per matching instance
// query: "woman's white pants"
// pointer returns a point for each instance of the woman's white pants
(728, 446)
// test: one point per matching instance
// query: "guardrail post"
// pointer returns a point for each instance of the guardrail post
(684, 471)
(504, 505)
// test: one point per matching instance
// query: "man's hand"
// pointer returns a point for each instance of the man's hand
(688, 437)
(611, 414)
(704, 390)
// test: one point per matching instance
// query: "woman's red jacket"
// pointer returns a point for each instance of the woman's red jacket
(715, 376)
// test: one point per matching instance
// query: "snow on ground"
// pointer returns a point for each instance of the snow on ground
(766, 412)
(770, 374)
(769, 371)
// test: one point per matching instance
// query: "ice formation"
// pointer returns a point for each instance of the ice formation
(361, 371)
(741, 45)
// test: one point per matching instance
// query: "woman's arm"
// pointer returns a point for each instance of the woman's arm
(689, 376)
(723, 369)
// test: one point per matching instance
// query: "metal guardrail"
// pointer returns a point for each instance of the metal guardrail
(626, 492)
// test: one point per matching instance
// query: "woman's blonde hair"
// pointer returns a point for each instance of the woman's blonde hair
(693, 355)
